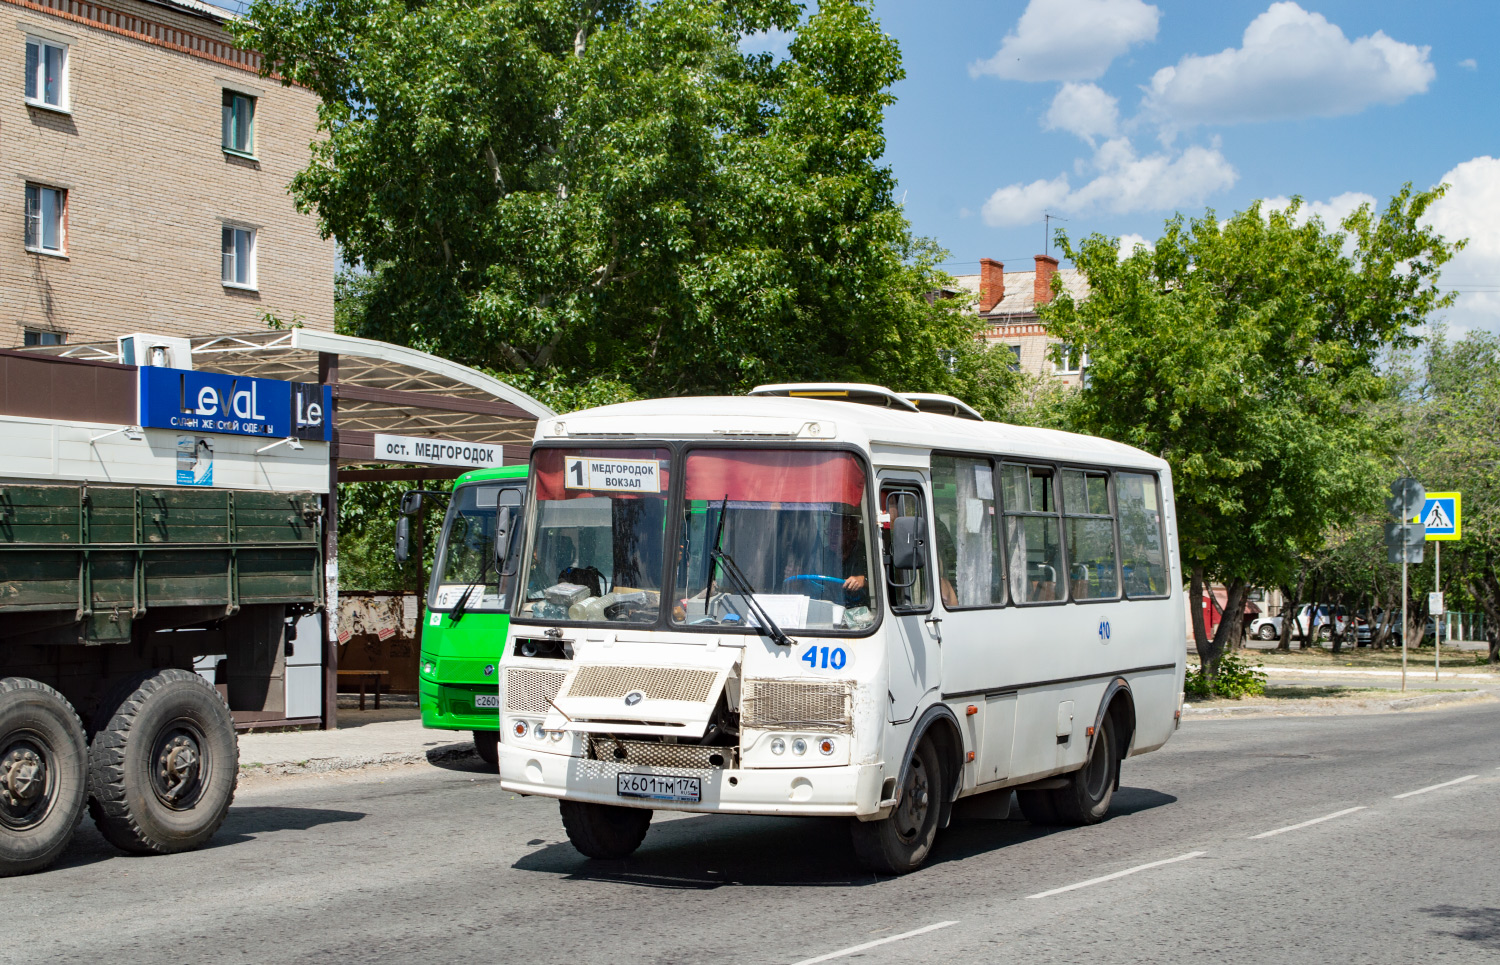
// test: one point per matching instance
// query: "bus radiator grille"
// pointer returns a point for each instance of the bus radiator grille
(657, 754)
(793, 705)
(656, 683)
(531, 691)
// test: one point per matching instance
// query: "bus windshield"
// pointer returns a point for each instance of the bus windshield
(596, 545)
(465, 553)
(792, 521)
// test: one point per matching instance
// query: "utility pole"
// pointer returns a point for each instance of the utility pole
(1047, 220)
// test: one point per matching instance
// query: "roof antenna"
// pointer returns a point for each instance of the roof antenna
(1047, 220)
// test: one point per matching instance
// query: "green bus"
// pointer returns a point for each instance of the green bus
(464, 627)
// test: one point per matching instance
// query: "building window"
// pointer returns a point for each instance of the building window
(1071, 360)
(46, 74)
(239, 257)
(32, 337)
(1015, 360)
(239, 123)
(46, 219)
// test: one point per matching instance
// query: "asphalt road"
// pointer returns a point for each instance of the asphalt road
(430, 864)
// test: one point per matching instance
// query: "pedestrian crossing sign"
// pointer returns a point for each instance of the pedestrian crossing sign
(1442, 514)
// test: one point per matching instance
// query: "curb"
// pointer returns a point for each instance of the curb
(462, 750)
(1341, 707)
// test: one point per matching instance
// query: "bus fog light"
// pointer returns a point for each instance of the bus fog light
(799, 747)
(826, 745)
(778, 746)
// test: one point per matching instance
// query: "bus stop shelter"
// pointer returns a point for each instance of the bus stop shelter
(378, 389)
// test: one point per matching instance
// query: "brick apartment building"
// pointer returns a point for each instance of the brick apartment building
(1007, 303)
(145, 168)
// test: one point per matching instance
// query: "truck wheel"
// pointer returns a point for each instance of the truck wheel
(162, 771)
(604, 830)
(43, 775)
(487, 746)
(900, 842)
(1085, 798)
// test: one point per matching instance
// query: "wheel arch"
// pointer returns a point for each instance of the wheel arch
(1117, 704)
(941, 723)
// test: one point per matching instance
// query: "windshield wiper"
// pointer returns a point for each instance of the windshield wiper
(459, 608)
(718, 557)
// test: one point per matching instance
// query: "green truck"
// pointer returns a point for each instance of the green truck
(108, 594)
(467, 605)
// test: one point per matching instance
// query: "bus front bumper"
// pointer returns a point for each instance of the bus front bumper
(850, 791)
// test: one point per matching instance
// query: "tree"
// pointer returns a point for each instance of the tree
(1245, 353)
(611, 193)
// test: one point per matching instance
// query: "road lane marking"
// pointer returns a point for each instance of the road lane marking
(1434, 787)
(879, 941)
(1305, 824)
(1117, 874)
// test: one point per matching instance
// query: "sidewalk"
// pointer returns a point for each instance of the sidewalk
(392, 735)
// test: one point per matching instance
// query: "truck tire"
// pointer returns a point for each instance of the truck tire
(43, 775)
(487, 746)
(605, 831)
(162, 771)
(1085, 798)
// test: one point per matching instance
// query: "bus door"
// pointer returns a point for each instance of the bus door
(912, 656)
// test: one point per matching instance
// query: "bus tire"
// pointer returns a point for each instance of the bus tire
(43, 775)
(487, 746)
(900, 842)
(1085, 798)
(604, 831)
(1037, 807)
(163, 769)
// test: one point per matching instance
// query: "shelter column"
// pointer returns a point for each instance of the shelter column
(328, 374)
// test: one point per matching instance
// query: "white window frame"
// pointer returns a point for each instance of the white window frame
(226, 274)
(1071, 362)
(35, 214)
(249, 152)
(64, 103)
(1015, 351)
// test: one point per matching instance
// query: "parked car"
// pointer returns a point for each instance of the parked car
(1269, 628)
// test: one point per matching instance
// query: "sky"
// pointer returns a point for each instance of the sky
(1114, 114)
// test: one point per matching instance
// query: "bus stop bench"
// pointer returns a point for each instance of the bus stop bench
(365, 678)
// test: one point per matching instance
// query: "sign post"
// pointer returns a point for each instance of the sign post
(1442, 515)
(1403, 542)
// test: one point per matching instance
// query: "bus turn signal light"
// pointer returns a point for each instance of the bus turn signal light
(971, 710)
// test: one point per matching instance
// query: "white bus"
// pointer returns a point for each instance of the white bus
(835, 600)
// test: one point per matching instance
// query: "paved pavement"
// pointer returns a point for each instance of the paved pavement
(1274, 840)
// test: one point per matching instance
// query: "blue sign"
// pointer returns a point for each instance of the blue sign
(1443, 516)
(236, 405)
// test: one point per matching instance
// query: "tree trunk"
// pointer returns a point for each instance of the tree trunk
(1289, 604)
(1208, 658)
(1333, 608)
(1487, 593)
(1310, 632)
(1231, 621)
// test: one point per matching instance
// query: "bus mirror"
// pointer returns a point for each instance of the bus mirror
(505, 525)
(909, 542)
(411, 503)
(403, 538)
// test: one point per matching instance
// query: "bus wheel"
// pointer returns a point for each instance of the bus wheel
(1085, 798)
(162, 770)
(487, 746)
(900, 842)
(604, 830)
(43, 775)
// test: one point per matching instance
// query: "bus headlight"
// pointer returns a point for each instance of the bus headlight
(799, 747)
(778, 746)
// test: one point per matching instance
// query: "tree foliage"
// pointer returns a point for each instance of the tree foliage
(1246, 353)
(611, 195)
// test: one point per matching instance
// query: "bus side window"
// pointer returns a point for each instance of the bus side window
(963, 498)
(1142, 555)
(916, 594)
(1090, 530)
(1033, 534)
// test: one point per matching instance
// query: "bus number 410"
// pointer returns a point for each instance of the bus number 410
(825, 658)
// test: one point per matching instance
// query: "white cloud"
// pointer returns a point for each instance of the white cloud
(1469, 63)
(1129, 243)
(1124, 183)
(1070, 39)
(1471, 210)
(1333, 211)
(1085, 110)
(773, 41)
(1292, 64)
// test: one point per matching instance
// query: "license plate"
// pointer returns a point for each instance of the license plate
(656, 788)
(491, 701)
